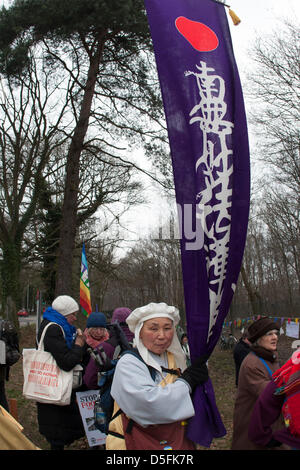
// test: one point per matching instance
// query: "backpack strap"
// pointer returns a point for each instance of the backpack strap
(135, 353)
(152, 371)
(267, 366)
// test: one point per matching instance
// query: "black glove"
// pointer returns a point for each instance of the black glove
(197, 373)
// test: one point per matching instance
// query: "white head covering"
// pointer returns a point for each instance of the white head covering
(136, 321)
(64, 304)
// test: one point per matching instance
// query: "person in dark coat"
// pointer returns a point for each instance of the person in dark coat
(185, 348)
(8, 336)
(241, 349)
(255, 374)
(62, 425)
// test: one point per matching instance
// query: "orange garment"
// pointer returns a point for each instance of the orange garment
(11, 436)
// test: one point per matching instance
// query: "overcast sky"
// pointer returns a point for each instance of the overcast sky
(258, 17)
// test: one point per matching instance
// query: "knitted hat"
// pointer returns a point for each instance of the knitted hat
(96, 319)
(64, 304)
(120, 314)
(260, 327)
(136, 321)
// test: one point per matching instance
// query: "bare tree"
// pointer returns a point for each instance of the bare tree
(150, 272)
(27, 139)
(274, 246)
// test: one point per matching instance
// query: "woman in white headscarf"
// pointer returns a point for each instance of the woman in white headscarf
(152, 388)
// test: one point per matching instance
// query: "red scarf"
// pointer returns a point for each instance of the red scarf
(93, 338)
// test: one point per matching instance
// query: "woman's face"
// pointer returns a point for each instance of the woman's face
(269, 340)
(97, 332)
(157, 334)
(71, 318)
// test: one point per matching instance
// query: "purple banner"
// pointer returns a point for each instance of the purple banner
(208, 138)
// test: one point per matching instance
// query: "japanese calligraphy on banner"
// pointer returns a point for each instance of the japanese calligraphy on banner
(208, 139)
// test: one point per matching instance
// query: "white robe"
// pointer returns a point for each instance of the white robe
(144, 400)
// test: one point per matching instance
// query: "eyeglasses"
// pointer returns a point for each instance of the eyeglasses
(273, 332)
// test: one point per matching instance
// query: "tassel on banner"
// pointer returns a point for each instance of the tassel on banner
(234, 17)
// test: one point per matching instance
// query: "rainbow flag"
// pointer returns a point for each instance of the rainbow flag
(85, 295)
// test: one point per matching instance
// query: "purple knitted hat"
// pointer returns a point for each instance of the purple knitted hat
(119, 316)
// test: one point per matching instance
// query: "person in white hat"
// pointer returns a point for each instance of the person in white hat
(61, 425)
(153, 387)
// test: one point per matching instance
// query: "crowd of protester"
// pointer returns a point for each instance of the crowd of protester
(154, 380)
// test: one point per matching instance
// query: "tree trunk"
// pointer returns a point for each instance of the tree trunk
(10, 274)
(69, 211)
(251, 293)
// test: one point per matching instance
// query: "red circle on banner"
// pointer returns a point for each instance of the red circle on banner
(201, 37)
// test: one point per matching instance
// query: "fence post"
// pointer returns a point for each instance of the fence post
(13, 407)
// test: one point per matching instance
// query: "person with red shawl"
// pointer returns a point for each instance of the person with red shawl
(96, 335)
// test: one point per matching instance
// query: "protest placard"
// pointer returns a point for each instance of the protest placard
(86, 402)
(292, 329)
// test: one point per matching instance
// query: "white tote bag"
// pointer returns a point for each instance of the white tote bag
(44, 381)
